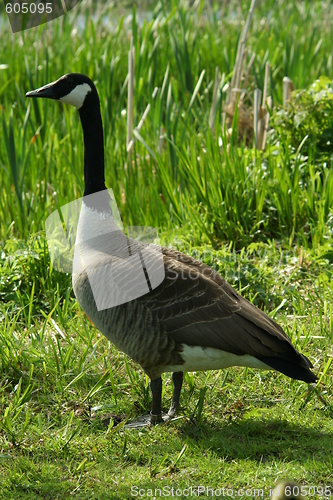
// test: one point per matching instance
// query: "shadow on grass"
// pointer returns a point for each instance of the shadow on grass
(262, 440)
(251, 443)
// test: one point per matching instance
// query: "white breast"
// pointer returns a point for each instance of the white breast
(93, 224)
(90, 248)
(113, 262)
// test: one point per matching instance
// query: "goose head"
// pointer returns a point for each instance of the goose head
(79, 91)
(73, 89)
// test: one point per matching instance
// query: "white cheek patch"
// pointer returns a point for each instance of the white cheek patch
(77, 96)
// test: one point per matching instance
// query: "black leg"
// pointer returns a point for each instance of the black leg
(177, 378)
(156, 416)
(156, 394)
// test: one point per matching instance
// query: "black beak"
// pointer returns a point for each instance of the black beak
(47, 91)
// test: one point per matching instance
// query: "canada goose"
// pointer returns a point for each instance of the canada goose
(194, 320)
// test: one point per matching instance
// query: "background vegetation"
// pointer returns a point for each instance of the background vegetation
(263, 219)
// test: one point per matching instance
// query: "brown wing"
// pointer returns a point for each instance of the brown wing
(198, 307)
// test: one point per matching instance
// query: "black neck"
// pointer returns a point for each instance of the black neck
(91, 120)
(94, 181)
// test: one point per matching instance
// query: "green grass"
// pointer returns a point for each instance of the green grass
(61, 381)
(264, 220)
(177, 51)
